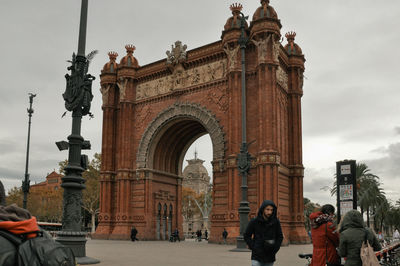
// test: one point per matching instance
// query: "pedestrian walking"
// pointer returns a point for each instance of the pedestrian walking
(325, 239)
(380, 237)
(352, 234)
(206, 234)
(176, 235)
(134, 232)
(224, 235)
(199, 234)
(264, 235)
(396, 234)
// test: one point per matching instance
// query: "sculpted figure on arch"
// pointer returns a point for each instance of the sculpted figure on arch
(262, 46)
(232, 56)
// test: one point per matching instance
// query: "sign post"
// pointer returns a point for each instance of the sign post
(346, 185)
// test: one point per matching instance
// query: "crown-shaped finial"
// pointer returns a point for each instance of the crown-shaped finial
(130, 48)
(290, 36)
(236, 8)
(112, 55)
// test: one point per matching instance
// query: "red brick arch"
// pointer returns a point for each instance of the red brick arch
(153, 113)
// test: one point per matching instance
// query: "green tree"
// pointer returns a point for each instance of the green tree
(62, 166)
(91, 195)
(15, 195)
(309, 207)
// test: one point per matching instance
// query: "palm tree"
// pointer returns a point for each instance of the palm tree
(370, 195)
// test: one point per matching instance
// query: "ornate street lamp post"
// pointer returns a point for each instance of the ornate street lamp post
(78, 96)
(244, 156)
(26, 181)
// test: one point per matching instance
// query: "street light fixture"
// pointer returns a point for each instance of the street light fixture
(78, 96)
(244, 157)
(26, 181)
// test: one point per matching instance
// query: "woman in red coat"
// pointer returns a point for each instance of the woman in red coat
(324, 238)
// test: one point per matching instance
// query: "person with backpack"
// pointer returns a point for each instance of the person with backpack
(22, 243)
(325, 239)
(352, 235)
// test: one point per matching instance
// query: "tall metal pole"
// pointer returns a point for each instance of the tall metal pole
(244, 162)
(26, 181)
(78, 96)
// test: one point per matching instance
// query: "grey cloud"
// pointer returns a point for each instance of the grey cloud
(351, 68)
(388, 169)
(317, 184)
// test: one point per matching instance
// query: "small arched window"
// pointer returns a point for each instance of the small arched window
(159, 208)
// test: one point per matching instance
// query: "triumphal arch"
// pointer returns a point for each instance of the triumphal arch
(153, 113)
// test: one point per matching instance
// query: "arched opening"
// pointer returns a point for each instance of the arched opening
(197, 187)
(160, 158)
(172, 143)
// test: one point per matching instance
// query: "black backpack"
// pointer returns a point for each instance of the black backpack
(40, 251)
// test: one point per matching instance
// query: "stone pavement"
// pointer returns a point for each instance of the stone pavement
(184, 253)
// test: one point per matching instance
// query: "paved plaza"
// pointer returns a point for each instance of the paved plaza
(184, 253)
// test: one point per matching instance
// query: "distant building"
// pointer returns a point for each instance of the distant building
(52, 182)
(195, 177)
(46, 198)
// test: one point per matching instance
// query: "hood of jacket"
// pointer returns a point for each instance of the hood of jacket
(262, 207)
(319, 218)
(17, 221)
(352, 219)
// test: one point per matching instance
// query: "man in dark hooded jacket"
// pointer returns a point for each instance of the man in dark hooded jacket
(264, 235)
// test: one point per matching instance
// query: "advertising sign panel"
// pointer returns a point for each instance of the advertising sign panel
(346, 187)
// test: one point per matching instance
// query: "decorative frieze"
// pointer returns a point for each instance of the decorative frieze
(182, 78)
(268, 159)
(164, 195)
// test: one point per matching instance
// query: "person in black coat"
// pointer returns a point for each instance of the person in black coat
(264, 235)
(134, 232)
(224, 235)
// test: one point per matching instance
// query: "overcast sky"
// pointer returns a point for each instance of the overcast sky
(350, 103)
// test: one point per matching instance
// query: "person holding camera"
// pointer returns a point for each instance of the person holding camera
(264, 235)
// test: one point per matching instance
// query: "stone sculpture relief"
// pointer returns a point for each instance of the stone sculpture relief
(104, 93)
(232, 56)
(143, 115)
(122, 88)
(301, 80)
(262, 46)
(275, 49)
(181, 78)
(219, 98)
(282, 78)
